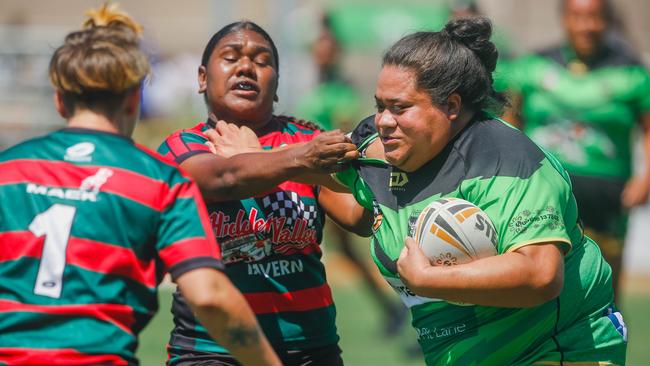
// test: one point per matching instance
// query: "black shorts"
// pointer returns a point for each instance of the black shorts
(321, 356)
(599, 204)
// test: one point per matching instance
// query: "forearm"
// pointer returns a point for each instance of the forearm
(225, 314)
(243, 175)
(508, 280)
(234, 326)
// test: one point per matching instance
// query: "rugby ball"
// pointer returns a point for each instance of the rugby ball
(453, 231)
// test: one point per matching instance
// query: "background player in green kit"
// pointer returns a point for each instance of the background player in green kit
(546, 298)
(90, 221)
(581, 101)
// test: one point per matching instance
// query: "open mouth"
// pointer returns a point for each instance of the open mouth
(246, 87)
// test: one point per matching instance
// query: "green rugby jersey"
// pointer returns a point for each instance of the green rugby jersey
(527, 195)
(583, 113)
(271, 250)
(89, 223)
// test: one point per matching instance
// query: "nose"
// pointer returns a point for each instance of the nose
(245, 67)
(385, 119)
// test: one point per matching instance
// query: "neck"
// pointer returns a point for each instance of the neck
(258, 126)
(94, 121)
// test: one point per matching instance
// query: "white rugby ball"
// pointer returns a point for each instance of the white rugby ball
(453, 231)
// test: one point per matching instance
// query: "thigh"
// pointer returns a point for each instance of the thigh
(197, 358)
(322, 356)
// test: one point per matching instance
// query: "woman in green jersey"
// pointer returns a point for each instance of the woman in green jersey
(546, 298)
(581, 100)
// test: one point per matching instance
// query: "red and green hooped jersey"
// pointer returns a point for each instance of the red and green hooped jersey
(527, 195)
(89, 223)
(270, 245)
(583, 113)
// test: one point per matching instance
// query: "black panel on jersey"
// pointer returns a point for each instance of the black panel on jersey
(483, 149)
(612, 54)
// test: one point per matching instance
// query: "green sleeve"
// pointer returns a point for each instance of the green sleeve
(643, 91)
(360, 190)
(517, 75)
(529, 210)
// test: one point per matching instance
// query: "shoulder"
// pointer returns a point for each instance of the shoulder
(553, 53)
(619, 54)
(183, 144)
(364, 130)
(23, 150)
(491, 147)
(296, 129)
(152, 164)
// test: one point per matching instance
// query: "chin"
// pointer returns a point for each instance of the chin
(394, 159)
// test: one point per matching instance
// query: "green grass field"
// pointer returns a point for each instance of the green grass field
(359, 323)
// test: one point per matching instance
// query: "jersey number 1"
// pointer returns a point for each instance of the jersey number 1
(55, 223)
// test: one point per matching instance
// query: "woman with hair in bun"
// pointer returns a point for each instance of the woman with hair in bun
(90, 221)
(546, 298)
(268, 224)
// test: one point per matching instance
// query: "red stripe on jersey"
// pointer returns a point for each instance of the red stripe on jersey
(66, 356)
(17, 244)
(303, 190)
(177, 146)
(301, 300)
(84, 253)
(188, 249)
(110, 259)
(120, 315)
(122, 182)
(195, 146)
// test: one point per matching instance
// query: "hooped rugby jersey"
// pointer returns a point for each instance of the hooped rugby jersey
(270, 245)
(527, 195)
(89, 223)
(583, 113)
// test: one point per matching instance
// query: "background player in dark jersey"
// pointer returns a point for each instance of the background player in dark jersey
(90, 221)
(268, 226)
(581, 100)
(546, 298)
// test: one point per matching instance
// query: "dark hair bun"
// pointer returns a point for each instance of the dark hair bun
(474, 33)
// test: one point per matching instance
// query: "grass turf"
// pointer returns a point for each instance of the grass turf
(359, 323)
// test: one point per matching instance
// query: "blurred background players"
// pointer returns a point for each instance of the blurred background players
(90, 221)
(335, 104)
(582, 100)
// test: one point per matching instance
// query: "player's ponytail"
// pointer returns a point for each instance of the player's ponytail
(459, 59)
(99, 64)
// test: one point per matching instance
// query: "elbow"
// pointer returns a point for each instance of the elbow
(218, 188)
(208, 301)
(546, 287)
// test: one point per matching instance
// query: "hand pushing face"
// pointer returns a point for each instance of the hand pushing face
(241, 79)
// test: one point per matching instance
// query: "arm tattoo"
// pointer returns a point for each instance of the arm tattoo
(241, 335)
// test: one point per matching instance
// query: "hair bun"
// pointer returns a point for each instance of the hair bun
(474, 33)
(110, 16)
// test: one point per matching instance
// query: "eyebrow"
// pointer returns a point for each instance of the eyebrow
(391, 100)
(256, 48)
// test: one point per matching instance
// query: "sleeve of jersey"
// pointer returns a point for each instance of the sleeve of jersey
(351, 179)
(514, 75)
(182, 145)
(525, 211)
(185, 239)
(643, 91)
